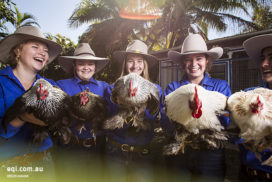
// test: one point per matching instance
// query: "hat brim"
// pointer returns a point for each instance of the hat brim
(66, 62)
(119, 56)
(255, 45)
(214, 53)
(11, 41)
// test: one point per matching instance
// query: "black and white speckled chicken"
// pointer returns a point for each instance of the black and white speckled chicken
(49, 104)
(133, 94)
(195, 111)
(89, 107)
(251, 111)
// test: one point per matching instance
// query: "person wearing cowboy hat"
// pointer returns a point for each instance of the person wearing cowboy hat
(196, 60)
(259, 50)
(27, 52)
(135, 59)
(84, 64)
(84, 152)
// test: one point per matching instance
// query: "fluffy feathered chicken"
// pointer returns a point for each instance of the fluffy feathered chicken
(195, 112)
(133, 94)
(49, 104)
(252, 113)
(90, 107)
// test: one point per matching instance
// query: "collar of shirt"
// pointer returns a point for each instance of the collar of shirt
(9, 73)
(79, 81)
(206, 80)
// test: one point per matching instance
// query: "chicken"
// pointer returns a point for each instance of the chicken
(252, 113)
(90, 108)
(49, 104)
(195, 112)
(133, 94)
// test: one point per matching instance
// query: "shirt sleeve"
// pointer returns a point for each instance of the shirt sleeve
(165, 122)
(112, 108)
(11, 130)
(224, 89)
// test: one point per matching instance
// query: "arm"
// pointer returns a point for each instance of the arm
(224, 88)
(164, 121)
(112, 108)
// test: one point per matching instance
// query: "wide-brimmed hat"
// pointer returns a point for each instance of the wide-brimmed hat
(82, 52)
(135, 47)
(27, 33)
(195, 44)
(255, 45)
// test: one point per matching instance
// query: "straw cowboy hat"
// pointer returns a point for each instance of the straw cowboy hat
(195, 44)
(82, 52)
(255, 45)
(23, 34)
(135, 47)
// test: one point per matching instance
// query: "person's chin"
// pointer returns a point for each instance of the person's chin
(267, 79)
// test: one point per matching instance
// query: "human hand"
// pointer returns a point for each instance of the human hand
(77, 117)
(30, 118)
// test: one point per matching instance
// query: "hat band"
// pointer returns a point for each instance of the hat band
(86, 54)
(195, 51)
(137, 51)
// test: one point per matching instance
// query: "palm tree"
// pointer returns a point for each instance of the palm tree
(24, 19)
(183, 16)
(6, 15)
(53, 70)
(262, 16)
(107, 32)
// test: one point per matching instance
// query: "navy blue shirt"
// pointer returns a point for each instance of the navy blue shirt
(123, 135)
(208, 83)
(18, 142)
(75, 85)
(249, 159)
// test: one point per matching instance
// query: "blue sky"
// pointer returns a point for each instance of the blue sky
(52, 16)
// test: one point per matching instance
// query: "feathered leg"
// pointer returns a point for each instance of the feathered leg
(116, 121)
(139, 119)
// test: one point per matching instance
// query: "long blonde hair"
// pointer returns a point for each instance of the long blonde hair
(144, 74)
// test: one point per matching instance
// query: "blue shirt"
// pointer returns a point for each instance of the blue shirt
(75, 85)
(123, 135)
(18, 142)
(208, 83)
(249, 159)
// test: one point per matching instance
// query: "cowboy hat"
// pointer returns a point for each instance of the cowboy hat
(27, 33)
(255, 45)
(82, 52)
(195, 44)
(135, 47)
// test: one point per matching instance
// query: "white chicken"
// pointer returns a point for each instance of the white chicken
(196, 111)
(252, 113)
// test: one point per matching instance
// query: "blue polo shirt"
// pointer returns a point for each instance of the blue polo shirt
(17, 139)
(208, 83)
(123, 135)
(75, 85)
(248, 158)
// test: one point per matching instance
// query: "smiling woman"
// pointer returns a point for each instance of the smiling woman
(27, 51)
(195, 58)
(84, 69)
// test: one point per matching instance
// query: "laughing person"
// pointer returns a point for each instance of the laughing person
(196, 60)
(259, 49)
(28, 52)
